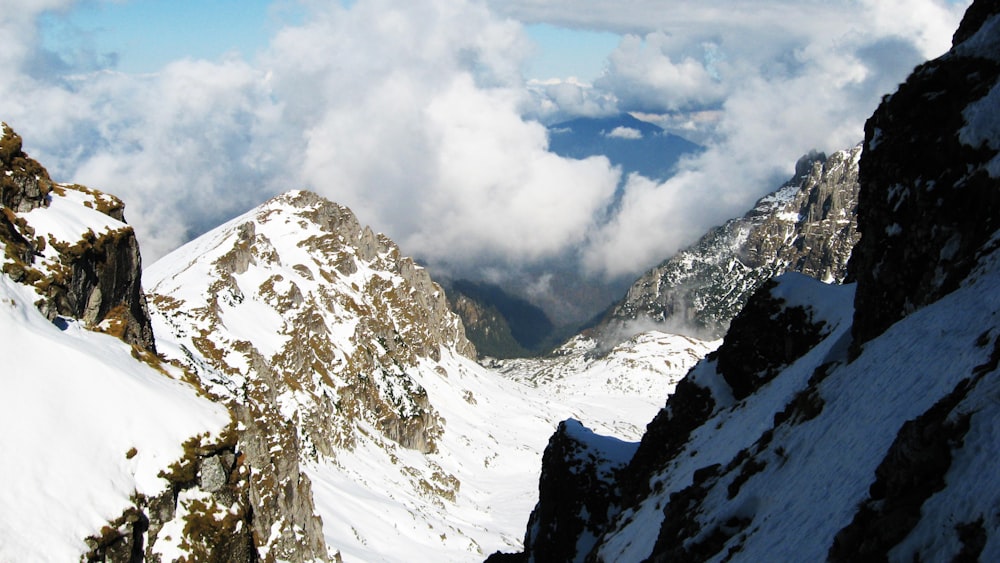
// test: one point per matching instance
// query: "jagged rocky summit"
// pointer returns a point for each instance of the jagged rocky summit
(309, 327)
(808, 225)
(111, 456)
(845, 423)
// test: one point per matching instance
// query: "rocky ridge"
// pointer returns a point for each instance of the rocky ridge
(310, 340)
(808, 225)
(865, 432)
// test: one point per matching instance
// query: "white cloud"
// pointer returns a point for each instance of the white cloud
(555, 100)
(414, 115)
(624, 133)
(644, 76)
(414, 120)
(409, 113)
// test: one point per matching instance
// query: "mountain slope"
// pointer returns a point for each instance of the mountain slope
(359, 399)
(820, 430)
(808, 225)
(500, 325)
(105, 447)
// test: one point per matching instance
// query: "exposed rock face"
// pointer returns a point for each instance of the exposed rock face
(95, 278)
(763, 339)
(808, 226)
(204, 515)
(576, 492)
(338, 317)
(104, 285)
(24, 184)
(921, 156)
(864, 433)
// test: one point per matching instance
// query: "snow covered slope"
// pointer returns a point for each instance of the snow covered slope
(628, 382)
(342, 359)
(86, 427)
(91, 425)
(841, 423)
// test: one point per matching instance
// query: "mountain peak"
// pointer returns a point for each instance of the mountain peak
(807, 225)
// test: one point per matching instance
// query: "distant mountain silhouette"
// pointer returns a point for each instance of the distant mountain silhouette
(633, 144)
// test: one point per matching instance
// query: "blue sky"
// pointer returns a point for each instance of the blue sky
(141, 36)
(147, 34)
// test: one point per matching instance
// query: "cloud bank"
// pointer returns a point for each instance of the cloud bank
(417, 116)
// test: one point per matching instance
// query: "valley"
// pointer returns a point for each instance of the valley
(814, 379)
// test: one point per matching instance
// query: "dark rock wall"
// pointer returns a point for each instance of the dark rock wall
(764, 338)
(577, 493)
(914, 166)
(106, 283)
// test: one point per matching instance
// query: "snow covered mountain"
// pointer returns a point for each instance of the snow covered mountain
(368, 424)
(843, 423)
(808, 225)
(105, 447)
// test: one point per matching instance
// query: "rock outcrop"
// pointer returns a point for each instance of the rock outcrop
(807, 226)
(94, 277)
(204, 515)
(764, 338)
(24, 183)
(578, 482)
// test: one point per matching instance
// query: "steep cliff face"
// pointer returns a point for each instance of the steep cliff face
(808, 226)
(72, 244)
(931, 146)
(819, 430)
